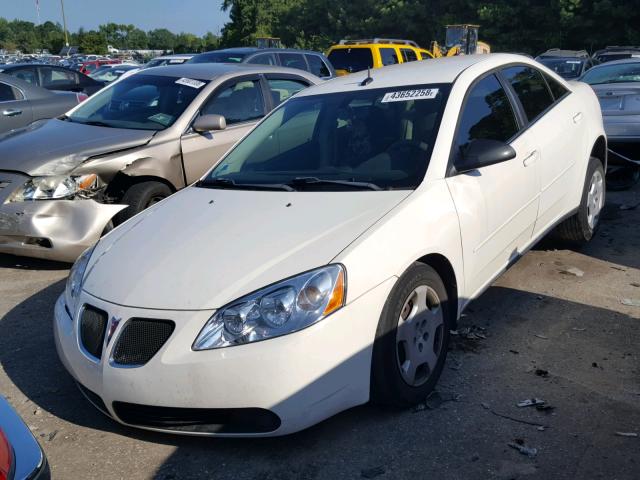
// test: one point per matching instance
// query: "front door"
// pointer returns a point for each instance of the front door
(242, 104)
(497, 204)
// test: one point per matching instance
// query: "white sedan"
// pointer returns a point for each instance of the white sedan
(323, 262)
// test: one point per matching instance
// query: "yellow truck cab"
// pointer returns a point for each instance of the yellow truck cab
(356, 55)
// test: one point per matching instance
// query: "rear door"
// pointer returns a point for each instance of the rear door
(497, 204)
(15, 109)
(555, 124)
(242, 102)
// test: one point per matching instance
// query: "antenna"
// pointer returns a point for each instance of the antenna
(367, 80)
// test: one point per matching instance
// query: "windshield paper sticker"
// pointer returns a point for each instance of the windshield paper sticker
(406, 95)
(190, 82)
(574, 61)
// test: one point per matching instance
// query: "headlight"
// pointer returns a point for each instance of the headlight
(75, 280)
(282, 308)
(55, 187)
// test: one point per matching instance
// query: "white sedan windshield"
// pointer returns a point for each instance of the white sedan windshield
(369, 139)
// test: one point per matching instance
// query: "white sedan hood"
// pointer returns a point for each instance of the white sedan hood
(203, 248)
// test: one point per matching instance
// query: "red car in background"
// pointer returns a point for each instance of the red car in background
(88, 67)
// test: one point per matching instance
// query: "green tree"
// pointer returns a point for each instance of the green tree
(161, 39)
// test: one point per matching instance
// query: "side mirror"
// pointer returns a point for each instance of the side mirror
(482, 153)
(207, 123)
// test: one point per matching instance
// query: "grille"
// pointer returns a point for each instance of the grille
(140, 340)
(204, 420)
(93, 324)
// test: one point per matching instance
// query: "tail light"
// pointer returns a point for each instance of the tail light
(6, 458)
(81, 97)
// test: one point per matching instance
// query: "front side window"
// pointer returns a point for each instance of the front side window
(351, 59)
(409, 55)
(389, 56)
(531, 89)
(240, 102)
(317, 66)
(487, 115)
(141, 102)
(282, 89)
(8, 93)
(372, 139)
(293, 60)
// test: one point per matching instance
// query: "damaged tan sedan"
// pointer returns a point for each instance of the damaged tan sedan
(65, 182)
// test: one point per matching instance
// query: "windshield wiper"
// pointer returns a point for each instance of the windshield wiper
(323, 181)
(96, 123)
(229, 183)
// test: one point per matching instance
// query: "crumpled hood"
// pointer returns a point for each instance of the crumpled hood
(618, 98)
(55, 147)
(202, 248)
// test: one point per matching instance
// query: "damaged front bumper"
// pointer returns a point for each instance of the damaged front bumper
(50, 229)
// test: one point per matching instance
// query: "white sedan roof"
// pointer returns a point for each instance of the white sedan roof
(438, 70)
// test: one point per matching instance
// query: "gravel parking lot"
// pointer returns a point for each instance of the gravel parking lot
(560, 326)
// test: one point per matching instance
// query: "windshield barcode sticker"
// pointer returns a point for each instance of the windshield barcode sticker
(190, 82)
(406, 95)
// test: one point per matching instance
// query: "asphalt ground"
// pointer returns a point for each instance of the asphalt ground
(556, 327)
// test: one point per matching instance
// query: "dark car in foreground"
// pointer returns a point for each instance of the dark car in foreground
(313, 62)
(21, 457)
(617, 85)
(569, 64)
(22, 103)
(53, 77)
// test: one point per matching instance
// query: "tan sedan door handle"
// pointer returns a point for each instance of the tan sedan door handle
(530, 159)
(11, 112)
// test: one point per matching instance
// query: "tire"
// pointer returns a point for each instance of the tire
(402, 329)
(140, 196)
(580, 227)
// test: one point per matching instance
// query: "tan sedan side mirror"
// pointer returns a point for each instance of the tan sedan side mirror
(207, 123)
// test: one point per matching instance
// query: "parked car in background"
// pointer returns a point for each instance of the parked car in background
(356, 55)
(310, 61)
(610, 54)
(569, 64)
(109, 73)
(64, 181)
(168, 60)
(617, 85)
(22, 103)
(53, 77)
(324, 260)
(21, 457)
(93, 65)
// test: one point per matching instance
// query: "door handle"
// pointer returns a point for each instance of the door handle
(530, 159)
(11, 112)
(577, 118)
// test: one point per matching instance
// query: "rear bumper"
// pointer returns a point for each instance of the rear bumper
(53, 229)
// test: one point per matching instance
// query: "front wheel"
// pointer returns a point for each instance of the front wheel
(580, 227)
(140, 196)
(412, 339)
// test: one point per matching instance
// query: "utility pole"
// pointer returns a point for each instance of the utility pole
(64, 23)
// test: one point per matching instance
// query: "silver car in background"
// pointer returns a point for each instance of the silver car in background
(66, 181)
(617, 85)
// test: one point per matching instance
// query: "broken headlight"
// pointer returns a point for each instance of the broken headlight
(55, 187)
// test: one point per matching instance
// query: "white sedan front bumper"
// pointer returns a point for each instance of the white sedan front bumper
(302, 378)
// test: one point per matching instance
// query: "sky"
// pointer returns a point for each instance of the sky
(193, 16)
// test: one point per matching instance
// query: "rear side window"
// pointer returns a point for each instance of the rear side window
(293, 60)
(487, 115)
(281, 89)
(351, 59)
(317, 66)
(531, 89)
(8, 93)
(557, 89)
(53, 76)
(389, 56)
(409, 55)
